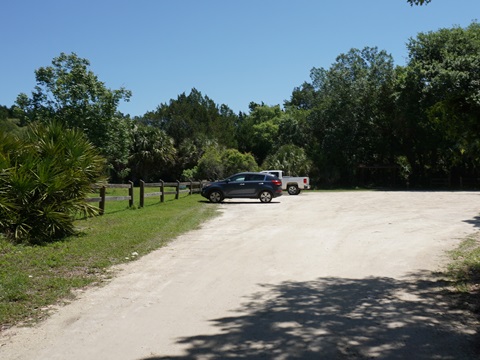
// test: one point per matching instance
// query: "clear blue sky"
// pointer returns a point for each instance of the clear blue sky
(232, 51)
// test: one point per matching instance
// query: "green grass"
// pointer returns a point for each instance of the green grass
(465, 267)
(464, 273)
(32, 278)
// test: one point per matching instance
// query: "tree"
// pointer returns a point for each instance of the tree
(218, 162)
(69, 93)
(234, 161)
(194, 115)
(258, 132)
(439, 102)
(303, 97)
(45, 177)
(351, 121)
(289, 158)
(418, 2)
(8, 122)
(152, 153)
(294, 128)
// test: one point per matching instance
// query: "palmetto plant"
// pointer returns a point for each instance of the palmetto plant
(45, 177)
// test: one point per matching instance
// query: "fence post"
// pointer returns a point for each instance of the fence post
(101, 205)
(130, 193)
(191, 187)
(142, 193)
(162, 191)
(178, 190)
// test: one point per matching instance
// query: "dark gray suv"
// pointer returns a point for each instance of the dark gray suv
(250, 185)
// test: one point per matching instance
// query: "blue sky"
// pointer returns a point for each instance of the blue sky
(232, 51)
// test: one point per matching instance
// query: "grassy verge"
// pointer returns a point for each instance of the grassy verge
(32, 278)
(464, 273)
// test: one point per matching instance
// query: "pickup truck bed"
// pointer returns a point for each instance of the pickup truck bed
(292, 184)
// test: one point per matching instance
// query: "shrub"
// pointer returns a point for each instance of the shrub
(45, 177)
(290, 158)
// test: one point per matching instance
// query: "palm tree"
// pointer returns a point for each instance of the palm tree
(45, 177)
(152, 152)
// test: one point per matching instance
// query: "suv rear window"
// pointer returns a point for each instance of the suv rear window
(255, 177)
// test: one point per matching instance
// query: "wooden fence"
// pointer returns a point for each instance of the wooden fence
(189, 187)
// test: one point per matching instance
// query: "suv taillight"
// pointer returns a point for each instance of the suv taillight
(276, 182)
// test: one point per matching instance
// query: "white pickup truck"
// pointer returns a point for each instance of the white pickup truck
(292, 184)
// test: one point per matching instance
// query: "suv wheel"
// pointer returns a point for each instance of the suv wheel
(265, 196)
(215, 196)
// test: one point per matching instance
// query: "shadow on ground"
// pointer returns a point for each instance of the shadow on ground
(475, 221)
(334, 318)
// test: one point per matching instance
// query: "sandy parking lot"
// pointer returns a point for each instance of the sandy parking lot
(337, 275)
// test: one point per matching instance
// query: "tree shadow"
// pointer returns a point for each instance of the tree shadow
(335, 318)
(475, 221)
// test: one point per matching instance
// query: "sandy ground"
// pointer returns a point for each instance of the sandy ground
(337, 275)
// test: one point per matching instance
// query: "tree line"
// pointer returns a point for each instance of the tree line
(416, 121)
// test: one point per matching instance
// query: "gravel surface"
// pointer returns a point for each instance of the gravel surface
(335, 275)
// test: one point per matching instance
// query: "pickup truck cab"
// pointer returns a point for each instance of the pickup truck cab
(292, 184)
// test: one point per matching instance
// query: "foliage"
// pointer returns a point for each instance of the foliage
(44, 179)
(448, 63)
(210, 165)
(189, 153)
(465, 266)
(350, 121)
(289, 158)
(194, 115)
(152, 153)
(258, 132)
(464, 272)
(438, 102)
(8, 122)
(418, 2)
(194, 122)
(294, 128)
(117, 151)
(234, 161)
(217, 163)
(71, 94)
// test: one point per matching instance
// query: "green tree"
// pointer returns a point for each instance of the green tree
(294, 128)
(438, 101)
(217, 163)
(45, 177)
(258, 132)
(291, 159)
(194, 115)
(152, 154)
(190, 152)
(69, 93)
(8, 122)
(303, 97)
(418, 2)
(351, 120)
(234, 161)
(210, 166)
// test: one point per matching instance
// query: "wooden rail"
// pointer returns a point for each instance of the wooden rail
(189, 187)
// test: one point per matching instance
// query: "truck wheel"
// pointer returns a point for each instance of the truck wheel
(215, 196)
(293, 190)
(265, 196)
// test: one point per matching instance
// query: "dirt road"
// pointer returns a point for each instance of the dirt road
(337, 275)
